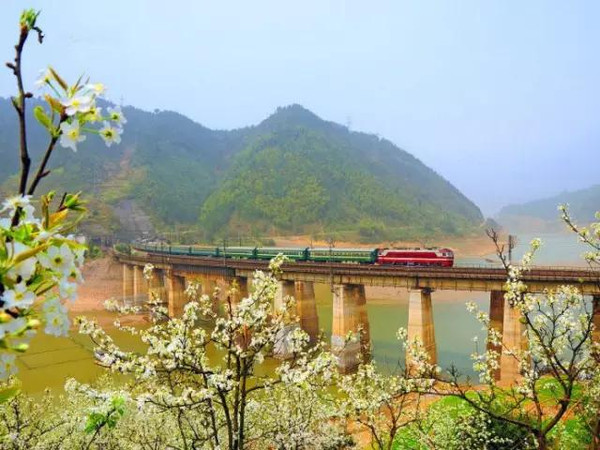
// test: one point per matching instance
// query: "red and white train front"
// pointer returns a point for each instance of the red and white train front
(416, 256)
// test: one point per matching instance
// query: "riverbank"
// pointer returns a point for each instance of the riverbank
(103, 279)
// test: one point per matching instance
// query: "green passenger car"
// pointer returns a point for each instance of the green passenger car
(238, 252)
(294, 254)
(204, 251)
(351, 255)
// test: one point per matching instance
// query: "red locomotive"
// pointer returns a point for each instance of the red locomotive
(416, 256)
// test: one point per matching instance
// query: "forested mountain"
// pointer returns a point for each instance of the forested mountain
(292, 173)
(543, 213)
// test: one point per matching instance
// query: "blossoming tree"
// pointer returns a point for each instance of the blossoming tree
(212, 381)
(559, 368)
(558, 363)
(40, 258)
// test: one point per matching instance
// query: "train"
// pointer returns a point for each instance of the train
(441, 257)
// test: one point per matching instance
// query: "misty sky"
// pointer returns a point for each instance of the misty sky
(502, 98)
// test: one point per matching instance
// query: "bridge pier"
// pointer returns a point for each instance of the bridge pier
(285, 289)
(363, 323)
(156, 286)
(306, 309)
(513, 339)
(420, 323)
(496, 323)
(175, 285)
(349, 312)
(281, 348)
(140, 286)
(127, 281)
(208, 288)
(596, 313)
(238, 289)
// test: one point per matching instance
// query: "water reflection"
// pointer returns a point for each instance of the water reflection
(388, 310)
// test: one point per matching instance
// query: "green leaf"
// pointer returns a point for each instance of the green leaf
(7, 393)
(63, 84)
(94, 421)
(43, 118)
(73, 202)
(29, 17)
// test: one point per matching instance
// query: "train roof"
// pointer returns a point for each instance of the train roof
(282, 248)
(345, 249)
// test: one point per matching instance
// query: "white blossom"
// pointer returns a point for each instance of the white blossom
(110, 135)
(67, 290)
(94, 114)
(56, 258)
(18, 297)
(11, 204)
(71, 135)
(116, 115)
(44, 78)
(8, 365)
(77, 104)
(98, 89)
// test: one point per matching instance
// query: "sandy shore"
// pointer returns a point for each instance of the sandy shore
(102, 280)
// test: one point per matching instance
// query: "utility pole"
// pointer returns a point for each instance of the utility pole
(512, 242)
(331, 243)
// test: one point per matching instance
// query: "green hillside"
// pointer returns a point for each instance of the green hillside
(303, 171)
(292, 173)
(582, 204)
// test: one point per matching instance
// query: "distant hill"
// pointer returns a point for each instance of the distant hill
(292, 173)
(544, 215)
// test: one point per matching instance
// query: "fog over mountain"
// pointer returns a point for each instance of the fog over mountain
(542, 213)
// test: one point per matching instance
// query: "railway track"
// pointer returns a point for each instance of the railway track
(537, 273)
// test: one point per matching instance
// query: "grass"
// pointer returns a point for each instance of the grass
(570, 433)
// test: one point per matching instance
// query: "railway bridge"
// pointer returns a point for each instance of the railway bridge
(349, 302)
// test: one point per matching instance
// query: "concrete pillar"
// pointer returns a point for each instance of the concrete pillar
(420, 322)
(140, 285)
(175, 285)
(596, 313)
(497, 323)
(203, 284)
(306, 309)
(346, 319)
(208, 286)
(513, 339)
(284, 289)
(241, 289)
(363, 323)
(282, 349)
(156, 286)
(127, 281)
